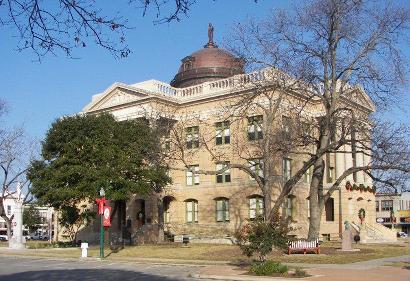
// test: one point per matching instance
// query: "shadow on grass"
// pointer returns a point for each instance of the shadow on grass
(83, 275)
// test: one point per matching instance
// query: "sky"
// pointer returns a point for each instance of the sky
(39, 92)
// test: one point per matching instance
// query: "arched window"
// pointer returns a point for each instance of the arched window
(166, 208)
(191, 207)
(222, 209)
(256, 206)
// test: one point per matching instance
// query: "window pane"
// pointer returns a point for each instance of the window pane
(252, 214)
(227, 178)
(252, 203)
(219, 215)
(219, 178)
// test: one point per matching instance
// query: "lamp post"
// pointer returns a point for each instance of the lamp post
(101, 203)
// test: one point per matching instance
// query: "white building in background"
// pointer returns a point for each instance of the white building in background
(46, 214)
(393, 211)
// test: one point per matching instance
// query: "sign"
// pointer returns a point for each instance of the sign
(101, 202)
(107, 216)
(380, 220)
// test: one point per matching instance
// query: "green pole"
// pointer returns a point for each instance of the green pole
(102, 238)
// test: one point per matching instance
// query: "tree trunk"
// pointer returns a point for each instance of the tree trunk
(315, 211)
(8, 226)
(267, 204)
(160, 205)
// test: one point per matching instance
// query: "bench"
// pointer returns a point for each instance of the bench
(301, 245)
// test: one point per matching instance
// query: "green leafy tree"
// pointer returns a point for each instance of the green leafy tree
(81, 154)
(259, 236)
(73, 218)
(31, 218)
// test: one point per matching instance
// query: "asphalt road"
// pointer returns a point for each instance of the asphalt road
(35, 269)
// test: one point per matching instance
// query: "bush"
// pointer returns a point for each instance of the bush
(38, 245)
(61, 244)
(268, 268)
(259, 236)
(300, 273)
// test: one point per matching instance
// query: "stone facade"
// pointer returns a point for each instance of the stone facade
(206, 100)
(198, 205)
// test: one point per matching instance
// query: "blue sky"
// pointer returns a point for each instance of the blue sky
(38, 93)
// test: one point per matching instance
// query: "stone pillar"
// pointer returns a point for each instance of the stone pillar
(18, 241)
(340, 164)
(348, 162)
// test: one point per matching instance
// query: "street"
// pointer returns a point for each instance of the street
(34, 269)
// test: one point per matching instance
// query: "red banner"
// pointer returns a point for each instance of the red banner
(107, 216)
(101, 202)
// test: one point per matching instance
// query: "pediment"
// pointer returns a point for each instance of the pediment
(359, 96)
(114, 96)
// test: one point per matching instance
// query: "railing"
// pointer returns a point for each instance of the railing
(372, 232)
(236, 82)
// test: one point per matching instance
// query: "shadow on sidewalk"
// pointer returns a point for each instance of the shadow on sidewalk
(83, 275)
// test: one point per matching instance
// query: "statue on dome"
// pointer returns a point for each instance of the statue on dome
(210, 34)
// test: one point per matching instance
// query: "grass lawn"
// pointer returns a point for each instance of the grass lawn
(210, 252)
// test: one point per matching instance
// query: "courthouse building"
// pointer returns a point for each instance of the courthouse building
(210, 207)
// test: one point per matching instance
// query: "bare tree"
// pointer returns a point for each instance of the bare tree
(50, 27)
(331, 46)
(15, 154)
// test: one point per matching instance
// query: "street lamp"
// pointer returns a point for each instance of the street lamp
(102, 192)
(101, 202)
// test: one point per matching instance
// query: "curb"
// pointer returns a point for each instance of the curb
(129, 261)
(245, 278)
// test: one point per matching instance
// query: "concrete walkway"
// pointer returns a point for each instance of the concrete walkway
(372, 270)
(356, 265)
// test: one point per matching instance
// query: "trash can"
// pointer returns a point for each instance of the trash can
(84, 249)
(185, 239)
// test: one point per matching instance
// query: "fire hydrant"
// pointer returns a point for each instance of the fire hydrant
(84, 250)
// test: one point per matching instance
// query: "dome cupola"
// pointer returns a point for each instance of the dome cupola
(207, 64)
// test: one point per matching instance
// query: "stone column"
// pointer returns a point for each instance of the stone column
(18, 241)
(348, 162)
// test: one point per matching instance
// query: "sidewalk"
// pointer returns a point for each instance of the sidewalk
(373, 270)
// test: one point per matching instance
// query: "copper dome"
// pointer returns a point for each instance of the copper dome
(207, 64)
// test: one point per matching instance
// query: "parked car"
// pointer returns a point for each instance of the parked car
(402, 234)
(3, 238)
(36, 237)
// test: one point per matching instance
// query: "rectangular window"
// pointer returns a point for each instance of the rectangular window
(255, 207)
(191, 211)
(222, 210)
(330, 209)
(286, 127)
(330, 174)
(8, 210)
(307, 177)
(192, 175)
(255, 127)
(223, 133)
(387, 205)
(286, 165)
(256, 165)
(192, 137)
(288, 207)
(225, 175)
(377, 206)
